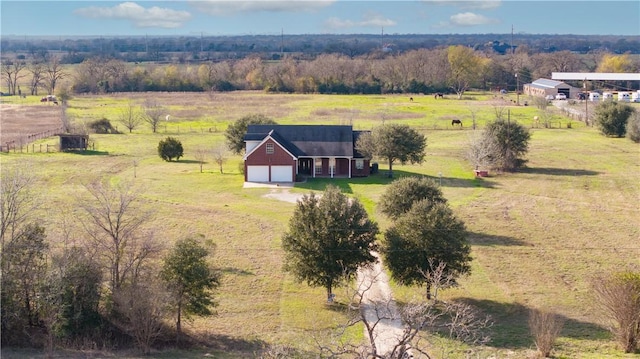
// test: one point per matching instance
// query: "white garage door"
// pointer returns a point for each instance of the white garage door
(258, 173)
(281, 174)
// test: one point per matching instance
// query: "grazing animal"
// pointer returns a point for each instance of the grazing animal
(439, 94)
(411, 99)
(456, 122)
(536, 120)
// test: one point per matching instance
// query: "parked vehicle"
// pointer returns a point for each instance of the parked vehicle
(561, 96)
(624, 97)
(549, 97)
(582, 96)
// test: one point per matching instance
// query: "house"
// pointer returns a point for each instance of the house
(280, 153)
(544, 87)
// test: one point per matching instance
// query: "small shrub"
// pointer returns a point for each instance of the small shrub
(170, 148)
(102, 126)
(633, 128)
(545, 328)
(619, 298)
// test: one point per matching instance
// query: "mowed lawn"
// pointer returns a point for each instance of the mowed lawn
(538, 235)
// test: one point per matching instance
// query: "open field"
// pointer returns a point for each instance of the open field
(538, 235)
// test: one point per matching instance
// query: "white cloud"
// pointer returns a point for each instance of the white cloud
(467, 4)
(138, 15)
(466, 19)
(470, 19)
(226, 7)
(369, 19)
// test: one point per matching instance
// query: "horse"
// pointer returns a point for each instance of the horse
(410, 99)
(439, 94)
(456, 122)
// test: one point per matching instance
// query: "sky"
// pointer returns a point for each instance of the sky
(295, 17)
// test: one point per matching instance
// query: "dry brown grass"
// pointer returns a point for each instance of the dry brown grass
(21, 125)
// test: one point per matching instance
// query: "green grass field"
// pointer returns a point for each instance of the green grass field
(538, 235)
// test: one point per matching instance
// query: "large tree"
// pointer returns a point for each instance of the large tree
(236, 131)
(421, 240)
(190, 279)
(402, 193)
(393, 143)
(612, 117)
(505, 143)
(11, 72)
(329, 238)
(465, 67)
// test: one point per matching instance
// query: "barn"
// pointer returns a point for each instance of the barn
(543, 87)
(283, 153)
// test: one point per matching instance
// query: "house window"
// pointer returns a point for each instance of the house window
(359, 164)
(318, 162)
(270, 148)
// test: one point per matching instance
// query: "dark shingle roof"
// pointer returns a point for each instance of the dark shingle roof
(308, 140)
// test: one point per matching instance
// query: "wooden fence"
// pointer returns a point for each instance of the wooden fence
(25, 142)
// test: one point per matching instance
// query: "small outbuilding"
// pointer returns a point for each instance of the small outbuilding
(545, 87)
(70, 142)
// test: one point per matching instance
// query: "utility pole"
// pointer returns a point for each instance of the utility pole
(517, 90)
(586, 103)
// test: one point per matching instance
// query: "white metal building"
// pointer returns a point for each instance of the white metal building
(543, 87)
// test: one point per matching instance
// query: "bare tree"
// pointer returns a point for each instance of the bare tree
(37, 76)
(53, 73)
(545, 327)
(143, 307)
(130, 117)
(17, 202)
(11, 72)
(481, 151)
(499, 111)
(394, 333)
(114, 224)
(200, 155)
(618, 296)
(220, 156)
(153, 114)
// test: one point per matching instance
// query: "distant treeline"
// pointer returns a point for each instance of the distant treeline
(449, 70)
(154, 48)
(454, 68)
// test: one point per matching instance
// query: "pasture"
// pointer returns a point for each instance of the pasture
(538, 235)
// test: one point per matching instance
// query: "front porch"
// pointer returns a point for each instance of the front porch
(325, 167)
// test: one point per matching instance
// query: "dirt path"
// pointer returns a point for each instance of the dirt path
(380, 308)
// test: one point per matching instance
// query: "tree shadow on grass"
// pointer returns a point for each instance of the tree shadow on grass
(186, 161)
(558, 171)
(511, 329)
(488, 240)
(382, 178)
(237, 271)
(223, 343)
(88, 152)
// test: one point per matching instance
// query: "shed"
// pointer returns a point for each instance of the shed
(73, 142)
